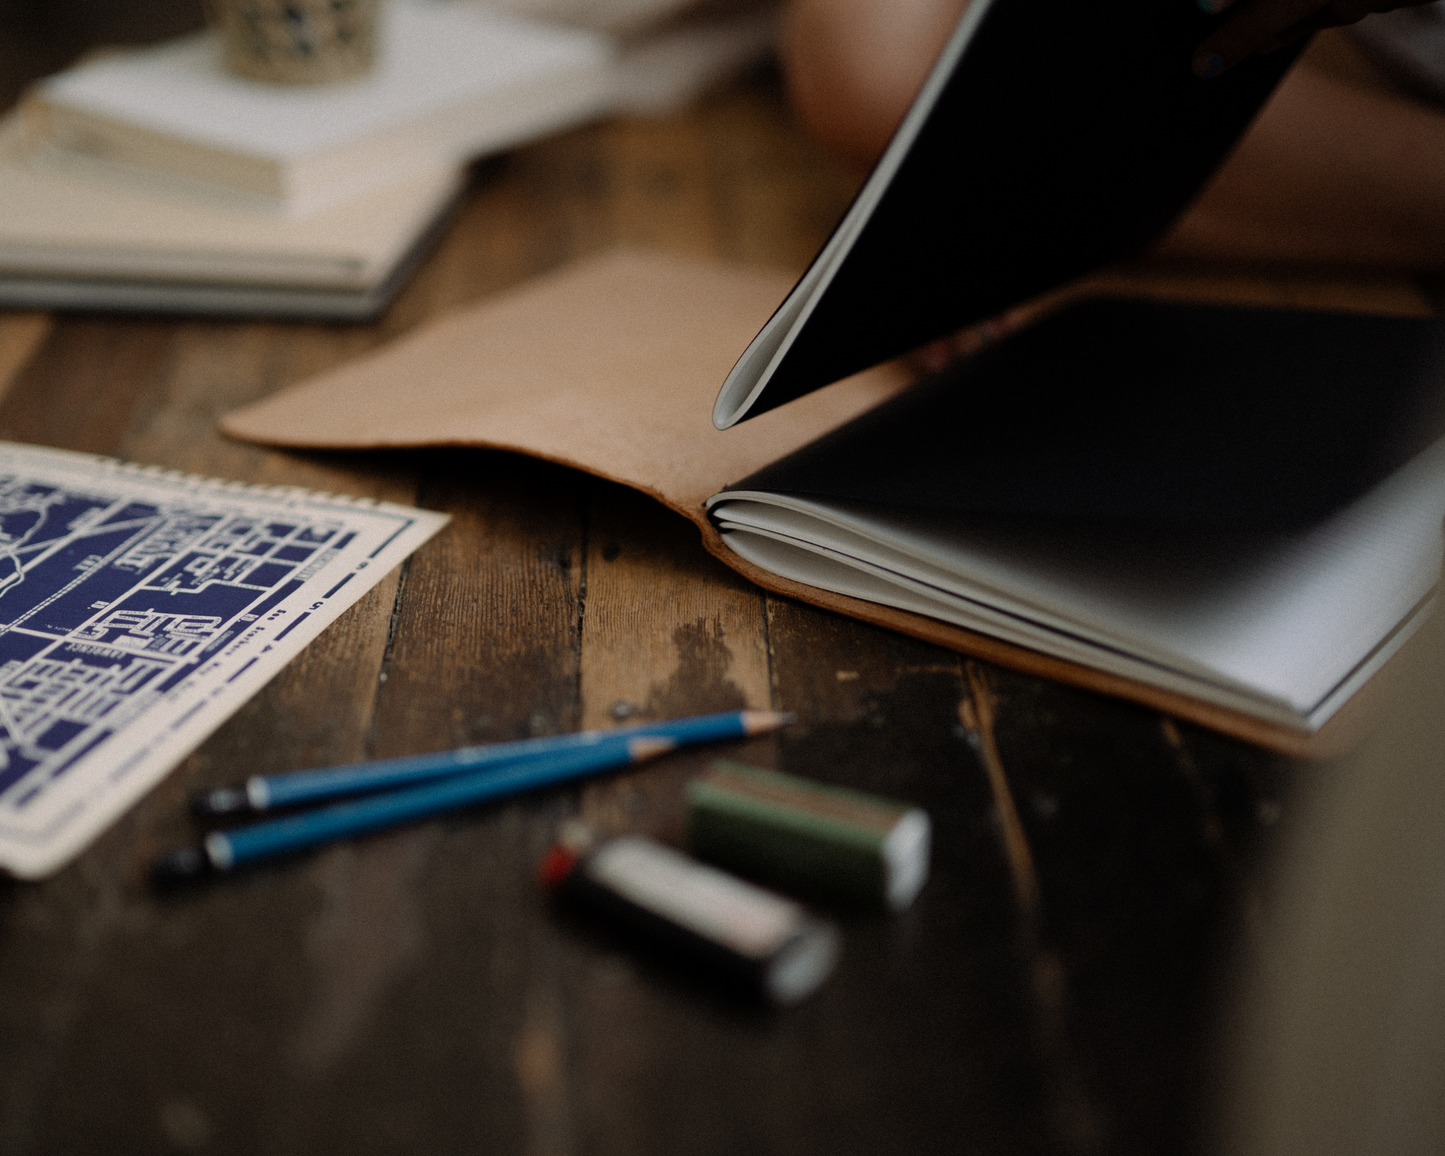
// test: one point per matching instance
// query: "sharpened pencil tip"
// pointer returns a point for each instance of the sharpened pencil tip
(649, 747)
(756, 722)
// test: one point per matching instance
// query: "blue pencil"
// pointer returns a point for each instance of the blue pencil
(262, 793)
(227, 850)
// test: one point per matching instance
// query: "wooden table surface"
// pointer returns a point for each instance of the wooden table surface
(1057, 988)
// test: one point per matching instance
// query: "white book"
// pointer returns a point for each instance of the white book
(451, 82)
(70, 238)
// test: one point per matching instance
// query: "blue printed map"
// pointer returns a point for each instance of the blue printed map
(138, 610)
(106, 604)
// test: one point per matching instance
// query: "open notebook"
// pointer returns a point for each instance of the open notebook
(1243, 505)
(921, 510)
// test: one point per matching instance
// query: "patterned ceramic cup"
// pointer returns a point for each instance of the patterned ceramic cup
(296, 41)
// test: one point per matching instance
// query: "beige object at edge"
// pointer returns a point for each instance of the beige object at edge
(297, 41)
(1339, 1045)
(612, 366)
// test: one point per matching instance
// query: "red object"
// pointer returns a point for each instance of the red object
(556, 865)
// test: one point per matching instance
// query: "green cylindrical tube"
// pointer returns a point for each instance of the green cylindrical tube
(805, 837)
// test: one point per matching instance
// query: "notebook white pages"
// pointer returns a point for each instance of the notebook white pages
(1283, 625)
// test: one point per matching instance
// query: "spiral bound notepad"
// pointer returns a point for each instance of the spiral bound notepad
(139, 609)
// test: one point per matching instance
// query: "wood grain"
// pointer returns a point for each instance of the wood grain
(21, 334)
(1054, 990)
(666, 632)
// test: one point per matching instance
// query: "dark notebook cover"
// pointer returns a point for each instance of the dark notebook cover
(1067, 135)
(1210, 416)
(619, 356)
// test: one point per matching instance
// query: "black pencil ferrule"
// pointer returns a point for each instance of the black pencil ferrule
(221, 801)
(179, 865)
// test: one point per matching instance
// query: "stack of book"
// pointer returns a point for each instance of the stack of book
(154, 180)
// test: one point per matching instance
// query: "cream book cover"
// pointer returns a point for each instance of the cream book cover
(61, 222)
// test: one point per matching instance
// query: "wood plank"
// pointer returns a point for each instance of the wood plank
(21, 335)
(661, 191)
(775, 193)
(1361, 291)
(494, 241)
(953, 1057)
(81, 393)
(1140, 897)
(484, 647)
(667, 632)
(667, 629)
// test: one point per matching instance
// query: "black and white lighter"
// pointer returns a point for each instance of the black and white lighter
(767, 942)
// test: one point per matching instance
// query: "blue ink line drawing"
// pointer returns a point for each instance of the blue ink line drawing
(339, 585)
(106, 603)
(139, 609)
(295, 623)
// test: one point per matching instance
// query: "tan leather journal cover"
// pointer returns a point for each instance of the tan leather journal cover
(611, 366)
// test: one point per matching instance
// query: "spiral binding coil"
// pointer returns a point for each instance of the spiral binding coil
(194, 481)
